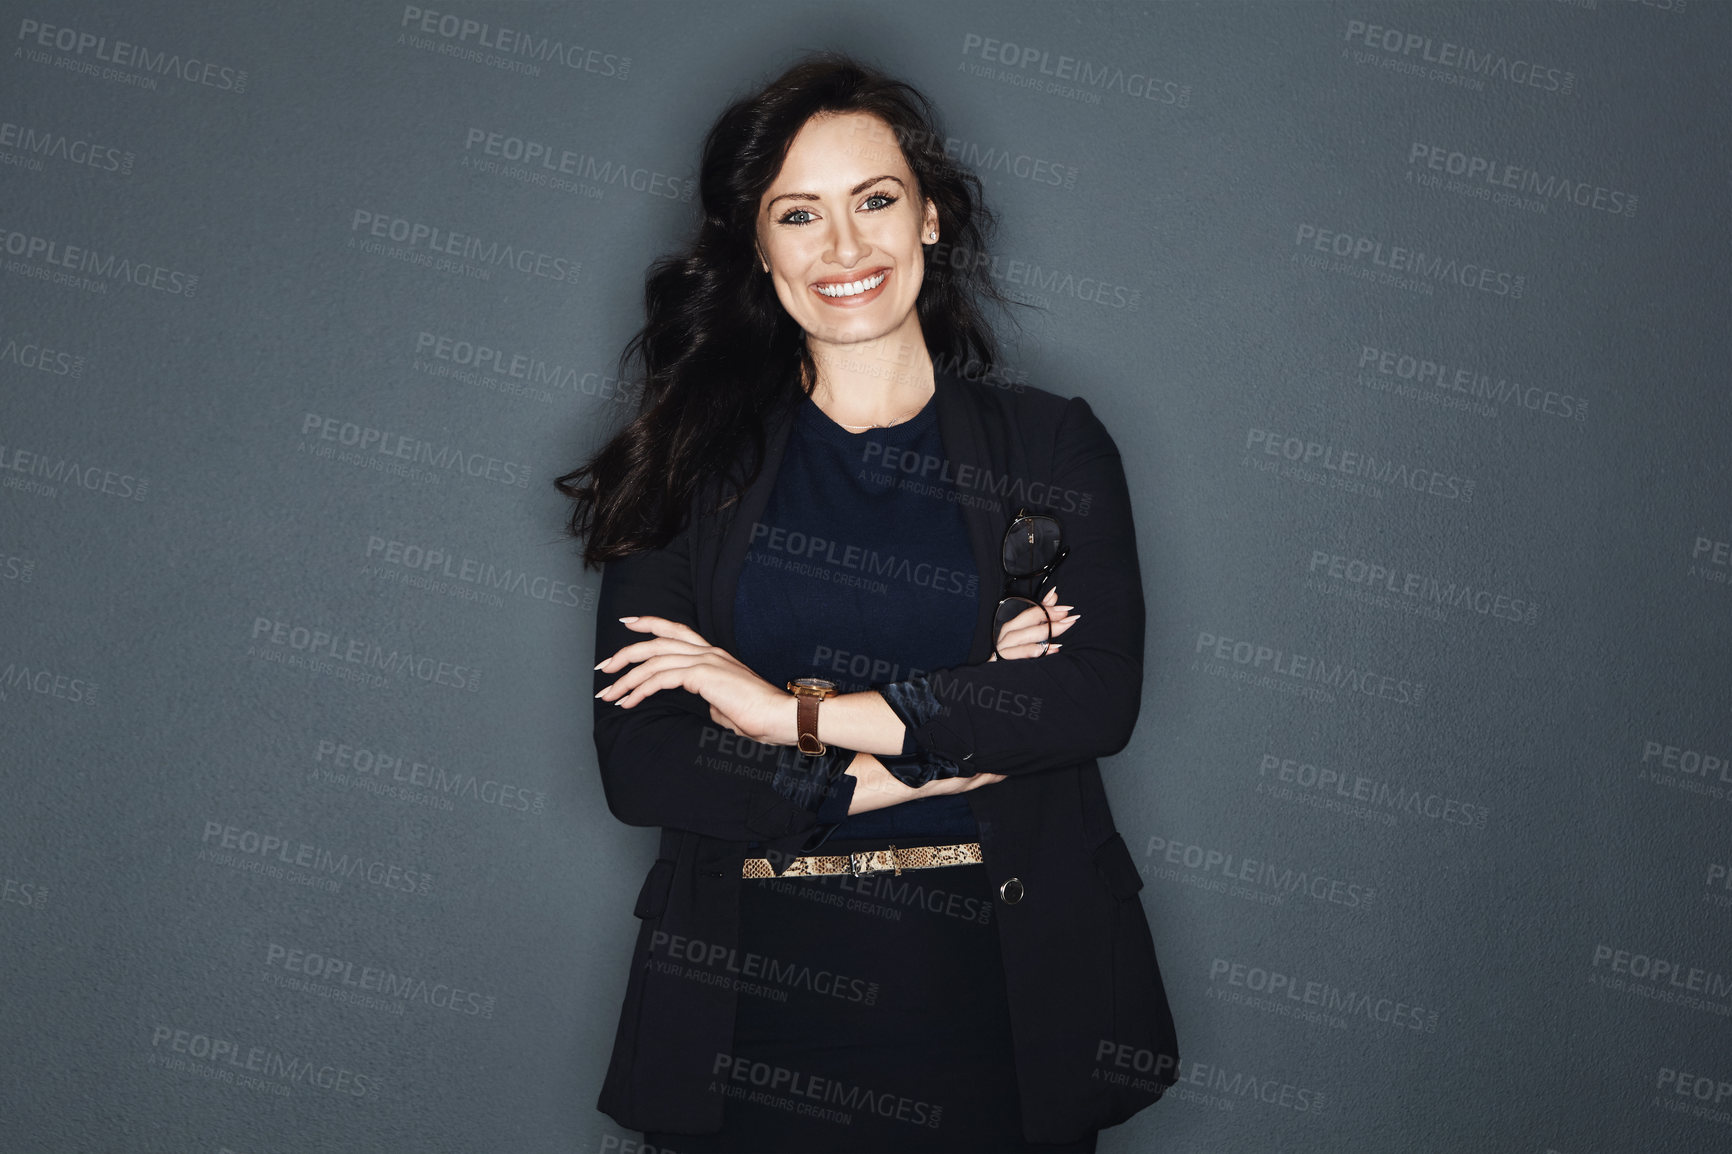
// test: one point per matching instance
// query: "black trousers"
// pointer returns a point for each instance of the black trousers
(871, 1017)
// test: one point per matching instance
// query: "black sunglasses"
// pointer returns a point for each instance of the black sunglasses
(1032, 548)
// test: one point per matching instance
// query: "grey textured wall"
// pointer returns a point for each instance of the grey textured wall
(1410, 321)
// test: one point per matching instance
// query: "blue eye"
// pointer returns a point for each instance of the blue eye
(788, 217)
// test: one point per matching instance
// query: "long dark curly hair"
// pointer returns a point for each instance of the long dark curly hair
(718, 353)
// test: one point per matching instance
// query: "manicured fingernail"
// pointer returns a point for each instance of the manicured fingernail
(599, 692)
(628, 618)
(1054, 647)
(600, 663)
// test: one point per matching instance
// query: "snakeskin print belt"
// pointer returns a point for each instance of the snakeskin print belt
(878, 861)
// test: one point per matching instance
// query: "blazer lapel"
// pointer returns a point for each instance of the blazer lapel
(737, 536)
(966, 444)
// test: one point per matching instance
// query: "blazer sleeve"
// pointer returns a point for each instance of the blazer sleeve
(1081, 702)
(665, 762)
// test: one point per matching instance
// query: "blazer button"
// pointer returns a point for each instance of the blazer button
(1011, 891)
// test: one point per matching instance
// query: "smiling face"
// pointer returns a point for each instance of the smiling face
(841, 228)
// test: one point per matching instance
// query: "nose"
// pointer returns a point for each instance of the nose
(847, 245)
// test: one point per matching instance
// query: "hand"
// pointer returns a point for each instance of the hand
(1021, 635)
(877, 788)
(677, 657)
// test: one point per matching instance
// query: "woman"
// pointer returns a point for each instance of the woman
(890, 910)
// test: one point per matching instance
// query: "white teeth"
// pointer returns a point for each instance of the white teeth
(852, 288)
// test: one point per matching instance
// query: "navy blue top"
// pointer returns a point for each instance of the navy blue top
(860, 572)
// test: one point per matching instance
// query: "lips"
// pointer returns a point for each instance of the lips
(862, 283)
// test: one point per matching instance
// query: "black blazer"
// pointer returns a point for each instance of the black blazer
(1093, 1033)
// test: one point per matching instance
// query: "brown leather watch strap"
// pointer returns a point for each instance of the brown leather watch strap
(806, 719)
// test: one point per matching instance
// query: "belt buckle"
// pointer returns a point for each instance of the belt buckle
(855, 869)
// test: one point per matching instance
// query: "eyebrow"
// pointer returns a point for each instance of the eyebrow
(855, 191)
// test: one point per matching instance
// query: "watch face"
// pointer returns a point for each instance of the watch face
(814, 683)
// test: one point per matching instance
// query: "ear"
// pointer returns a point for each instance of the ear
(929, 224)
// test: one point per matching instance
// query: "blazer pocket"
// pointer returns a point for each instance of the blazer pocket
(1113, 860)
(653, 898)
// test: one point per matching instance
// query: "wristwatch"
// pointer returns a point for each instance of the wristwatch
(809, 691)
